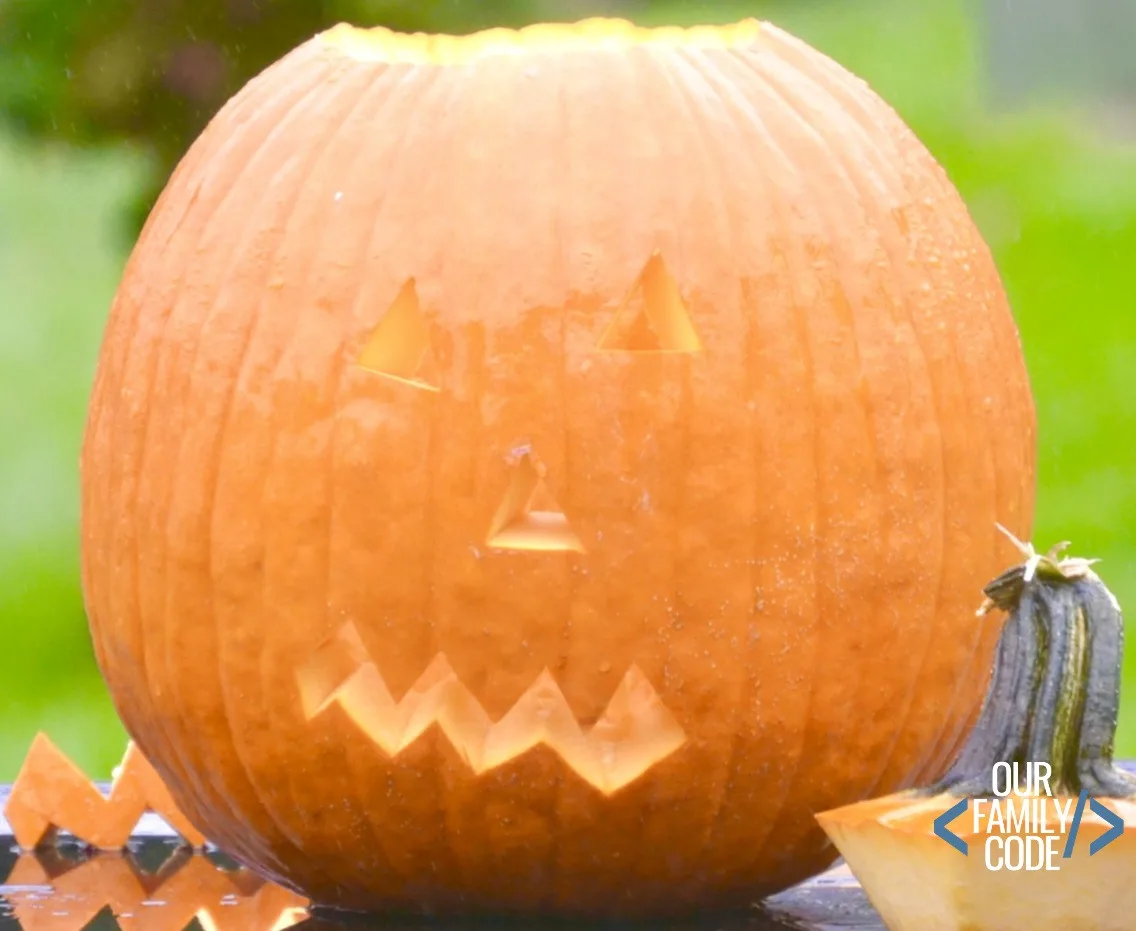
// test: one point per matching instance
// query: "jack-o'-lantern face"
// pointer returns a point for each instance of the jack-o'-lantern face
(636, 730)
(539, 470)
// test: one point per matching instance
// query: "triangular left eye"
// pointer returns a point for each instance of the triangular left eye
(399, 347)
(529, 517)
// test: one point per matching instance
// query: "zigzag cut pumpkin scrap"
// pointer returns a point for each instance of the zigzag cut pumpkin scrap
(51, 794)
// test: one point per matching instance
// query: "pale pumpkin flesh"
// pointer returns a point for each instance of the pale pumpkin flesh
(716, 299)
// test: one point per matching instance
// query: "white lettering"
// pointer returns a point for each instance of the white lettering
(978, 803)
(1018, 816)
(995, 821)
(1026, 834)
(1063, 813)
(1022, 790)
(1051, 853)
(1015, 853)
(1007, 781)
(991, 842)
(1035, 854)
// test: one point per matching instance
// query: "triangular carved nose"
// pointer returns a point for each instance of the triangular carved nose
(529, 517)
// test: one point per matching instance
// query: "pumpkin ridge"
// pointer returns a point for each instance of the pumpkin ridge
(555, 811)
(175, 755)
(136, 299)
(709, 156)
(374, 105)
(972, 677)
(856, 101)
(253, 324)
(751, 126)
(855, 180)
(824, 283)
(334, 377)
(846, 292)
(393, 99)
(743, 121)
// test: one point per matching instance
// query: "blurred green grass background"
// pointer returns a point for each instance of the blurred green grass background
(1054, 196)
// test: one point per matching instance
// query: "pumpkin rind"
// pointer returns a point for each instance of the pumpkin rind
(781, 518)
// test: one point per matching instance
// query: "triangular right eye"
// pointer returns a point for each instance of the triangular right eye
(653, 318)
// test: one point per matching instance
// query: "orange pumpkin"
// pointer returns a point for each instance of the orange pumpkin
(535, 471)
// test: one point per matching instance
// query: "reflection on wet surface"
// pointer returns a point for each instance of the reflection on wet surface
(156, 885)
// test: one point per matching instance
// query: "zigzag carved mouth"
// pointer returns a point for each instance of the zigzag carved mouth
(635, 732)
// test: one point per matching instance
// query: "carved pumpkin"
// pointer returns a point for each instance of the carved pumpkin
(536, 471)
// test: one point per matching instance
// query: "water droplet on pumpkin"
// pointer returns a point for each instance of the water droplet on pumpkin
(605, 666)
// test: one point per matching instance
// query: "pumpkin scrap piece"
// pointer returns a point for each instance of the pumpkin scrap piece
(1040, 826)
(51, 794)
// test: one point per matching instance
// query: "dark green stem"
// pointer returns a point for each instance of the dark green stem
(1055, 691)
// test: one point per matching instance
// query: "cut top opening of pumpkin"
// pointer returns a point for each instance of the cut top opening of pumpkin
(381, 44)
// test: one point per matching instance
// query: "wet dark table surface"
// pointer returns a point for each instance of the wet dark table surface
(157, 887)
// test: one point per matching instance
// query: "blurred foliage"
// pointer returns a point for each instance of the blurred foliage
(1056, 203)
(155, 71)
(58, 271)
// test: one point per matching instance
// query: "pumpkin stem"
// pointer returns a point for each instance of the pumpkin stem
(1055, 692)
